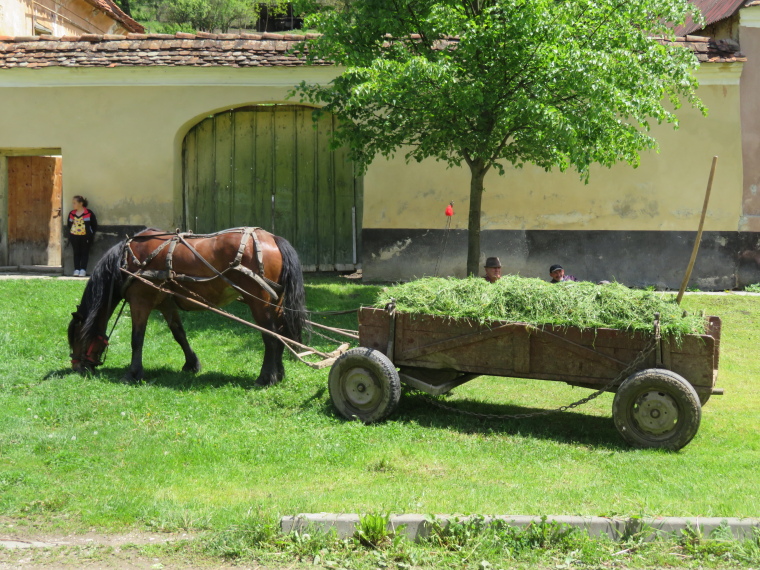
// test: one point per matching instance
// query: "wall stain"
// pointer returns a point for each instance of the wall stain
(629, 208)
(387, 253)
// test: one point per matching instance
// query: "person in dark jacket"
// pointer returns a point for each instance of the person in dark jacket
(82, 226)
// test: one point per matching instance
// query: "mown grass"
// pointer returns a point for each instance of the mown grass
(210, 452)
(584, 304)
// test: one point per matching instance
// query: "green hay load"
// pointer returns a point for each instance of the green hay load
(512, 298)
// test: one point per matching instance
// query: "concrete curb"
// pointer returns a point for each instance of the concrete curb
(417, 527)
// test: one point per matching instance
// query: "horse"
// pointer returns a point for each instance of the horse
(248, 264)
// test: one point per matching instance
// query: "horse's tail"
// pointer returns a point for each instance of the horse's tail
(294, 297)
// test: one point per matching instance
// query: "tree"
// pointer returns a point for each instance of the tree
(491, 83)
(210, 15)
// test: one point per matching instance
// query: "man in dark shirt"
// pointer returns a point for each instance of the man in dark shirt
(557, 274)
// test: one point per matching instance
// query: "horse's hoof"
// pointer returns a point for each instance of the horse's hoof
(131, 378)
(266, 381)
(192, 367)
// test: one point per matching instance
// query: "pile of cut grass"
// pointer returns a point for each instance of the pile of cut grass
(585, 305)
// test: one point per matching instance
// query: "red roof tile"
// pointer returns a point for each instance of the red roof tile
(144, 50)
(220, 50)
(712, 11)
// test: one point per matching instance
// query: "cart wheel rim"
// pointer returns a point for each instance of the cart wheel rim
(360, 388)
(655, 412)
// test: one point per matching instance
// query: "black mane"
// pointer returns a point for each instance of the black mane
(105, 284)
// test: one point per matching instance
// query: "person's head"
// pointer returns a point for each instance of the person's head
(493, 269)
(556, 272)
(79, 202)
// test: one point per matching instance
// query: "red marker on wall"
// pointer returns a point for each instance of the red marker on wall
(450, 209)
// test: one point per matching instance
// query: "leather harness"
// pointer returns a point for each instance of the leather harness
(168, 274)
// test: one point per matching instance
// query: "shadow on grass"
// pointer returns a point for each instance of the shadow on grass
(564, 427)
(180, 380)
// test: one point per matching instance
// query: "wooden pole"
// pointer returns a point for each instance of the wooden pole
(698, 239)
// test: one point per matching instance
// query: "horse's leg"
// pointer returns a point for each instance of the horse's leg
(272, 369)
(171, 313)
(140, 313)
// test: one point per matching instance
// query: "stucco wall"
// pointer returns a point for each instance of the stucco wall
(664, 193)
(61, 17)
(750, 112)
(120, 133)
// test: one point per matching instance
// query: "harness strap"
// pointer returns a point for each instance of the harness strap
(259, 252)
(170, 254)
(220, 274)
(241, 249)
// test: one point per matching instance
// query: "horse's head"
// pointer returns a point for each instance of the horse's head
(86, 349)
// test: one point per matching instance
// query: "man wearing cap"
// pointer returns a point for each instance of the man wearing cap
(558, 274)
(493, 269)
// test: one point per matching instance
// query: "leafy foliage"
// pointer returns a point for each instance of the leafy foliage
(519, 299)
(497, 83)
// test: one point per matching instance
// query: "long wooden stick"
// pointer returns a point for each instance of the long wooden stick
(698, 239)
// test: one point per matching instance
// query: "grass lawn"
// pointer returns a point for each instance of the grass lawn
(205, 452)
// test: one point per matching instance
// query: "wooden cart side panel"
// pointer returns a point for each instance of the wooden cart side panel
(516, 350)
(374, 328)
(693, 359)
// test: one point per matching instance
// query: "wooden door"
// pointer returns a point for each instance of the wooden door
(268, 166)
(34, 210)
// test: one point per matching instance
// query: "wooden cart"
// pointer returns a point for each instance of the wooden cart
(658, 399)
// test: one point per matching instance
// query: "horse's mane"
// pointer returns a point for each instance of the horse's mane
(105, 283)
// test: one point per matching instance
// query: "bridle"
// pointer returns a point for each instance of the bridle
(98, 346)
(95, 350)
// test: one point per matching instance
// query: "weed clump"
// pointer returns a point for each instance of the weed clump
(584, 305)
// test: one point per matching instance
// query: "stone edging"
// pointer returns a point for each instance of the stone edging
(416, 527)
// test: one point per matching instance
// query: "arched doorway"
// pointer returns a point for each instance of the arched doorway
(268, 166)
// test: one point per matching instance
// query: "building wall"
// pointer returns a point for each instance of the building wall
(61, 17)
(120, 133)
(634, 225)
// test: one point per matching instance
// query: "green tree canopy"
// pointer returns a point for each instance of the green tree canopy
(497, 83)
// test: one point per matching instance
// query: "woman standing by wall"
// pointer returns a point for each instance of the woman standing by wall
(82, 226)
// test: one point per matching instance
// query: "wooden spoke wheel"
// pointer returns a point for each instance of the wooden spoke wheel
(364, 385)
(657, 408)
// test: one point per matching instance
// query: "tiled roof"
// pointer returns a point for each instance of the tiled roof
(712, 11)
(709, 50)
(219, 50)
(144, 50)
(110, 8)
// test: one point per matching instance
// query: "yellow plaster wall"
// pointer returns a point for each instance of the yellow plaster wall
(666, 192)
(122, 144)
(120, 132)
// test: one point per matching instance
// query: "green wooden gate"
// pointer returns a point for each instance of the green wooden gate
(268, 166)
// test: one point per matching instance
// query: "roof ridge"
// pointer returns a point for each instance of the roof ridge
(151, 36)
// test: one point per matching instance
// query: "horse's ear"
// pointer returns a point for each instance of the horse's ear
(77, 317)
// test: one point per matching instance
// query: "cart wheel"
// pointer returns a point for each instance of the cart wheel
(364, 385)
(656, 408)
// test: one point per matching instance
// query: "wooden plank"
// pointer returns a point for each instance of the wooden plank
(264, 164)
(344, 203)
(190, 178)
(521, 351)
(56, 212)
(244, 211)
(3, 211)
(223, 179)
(284, 173)
(204, 216)
(306, 239)
(458, 342)
(325, 195)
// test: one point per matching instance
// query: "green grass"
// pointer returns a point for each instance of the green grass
(211, 452)
(514, 298)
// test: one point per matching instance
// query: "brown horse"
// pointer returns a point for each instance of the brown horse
(250, 264)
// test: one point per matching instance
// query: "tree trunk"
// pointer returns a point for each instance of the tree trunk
(478, 173)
